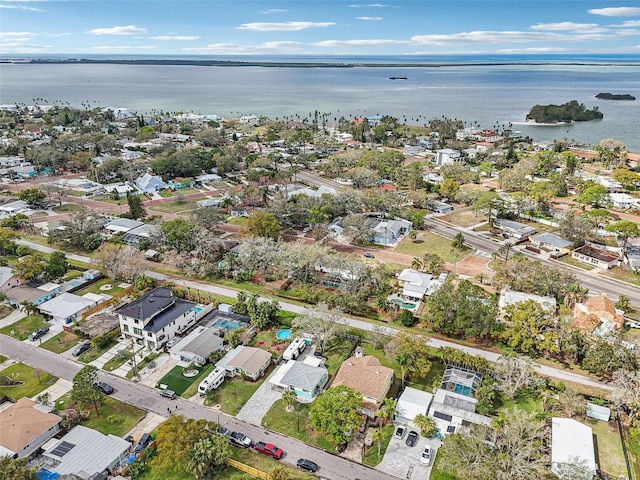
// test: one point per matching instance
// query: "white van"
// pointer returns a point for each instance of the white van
(212, 381)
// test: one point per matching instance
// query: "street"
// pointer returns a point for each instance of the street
(148, 399)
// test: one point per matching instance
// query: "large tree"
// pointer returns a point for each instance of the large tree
(321, 322)
(56, 266)
(29, 267)
(594, 195)
(530, 328)
(624, 231)
(515, 373)
(83, 392)
(262, 224)
(120, 262)
(411, 353)
(175, 440)
(207, 456)
(32, 195)
(81, 230)
(336, 414)
(136, 209)
(16, 469)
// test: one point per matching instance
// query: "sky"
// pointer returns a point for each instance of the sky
(320, 27)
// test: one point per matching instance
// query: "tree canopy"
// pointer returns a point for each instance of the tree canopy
(336, 414)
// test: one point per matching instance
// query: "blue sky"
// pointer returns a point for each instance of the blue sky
(322, 27)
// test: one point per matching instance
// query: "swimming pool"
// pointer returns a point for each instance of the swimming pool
(198, 309)
(284, 334)
(400, 303)
(76, 283)
(228, 324)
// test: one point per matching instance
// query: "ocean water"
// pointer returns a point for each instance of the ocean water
(489, 94)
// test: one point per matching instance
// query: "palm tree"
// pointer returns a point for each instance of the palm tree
(404, 361)
(417, 264)
(457, 246)
(503, 252)
(28, 307)
(481, 278)
(378, 436)
(425, 424)
(387, 410)
(413, 235)
(574, 293)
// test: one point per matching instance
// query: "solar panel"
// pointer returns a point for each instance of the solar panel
(62, 449)
(451, 429)
(443, 416)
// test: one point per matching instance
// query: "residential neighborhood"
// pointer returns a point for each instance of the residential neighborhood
(378, 299)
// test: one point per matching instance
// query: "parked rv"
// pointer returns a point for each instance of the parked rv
(212, 381)
(294, 350)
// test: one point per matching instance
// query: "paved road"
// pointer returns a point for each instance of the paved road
(594, 282)
(147, 398)
(352, 322)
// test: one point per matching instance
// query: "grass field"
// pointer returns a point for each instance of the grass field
(428, 242)
(61, 342)
(624, 275)
(68, 208)
(35, 381)
(466, 218)
(174, 207)
(95, 287)
(610, 453)
(233, 394)
(193, 388)
(22, 328)
(176, 381)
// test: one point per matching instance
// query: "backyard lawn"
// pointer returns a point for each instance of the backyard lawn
(610, 453)
(61, 342)
(174, 207)
(22, 328)
(34, 381)
(176, 381)
(233, 394)
(428, 242)
(95, 287)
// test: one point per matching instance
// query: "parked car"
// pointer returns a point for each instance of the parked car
(307, 465)
(399, 433)
(170, 394)
(369, 255)
(425, 458)
(268, 449)
(104, 388)
(41, 332)
(223, 431)
(412, 438)
(80, 349)
(143, 443)
(240, 440)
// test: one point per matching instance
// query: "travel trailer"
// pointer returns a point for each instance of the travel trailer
(294, 349)
(213, 381)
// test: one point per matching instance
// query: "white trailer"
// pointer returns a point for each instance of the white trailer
(212, 381)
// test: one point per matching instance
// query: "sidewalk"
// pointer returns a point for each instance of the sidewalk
(57, 390)
(12, 318)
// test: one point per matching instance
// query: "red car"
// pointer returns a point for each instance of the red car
(268, 449)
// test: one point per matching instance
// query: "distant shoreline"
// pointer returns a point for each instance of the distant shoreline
(282, 64)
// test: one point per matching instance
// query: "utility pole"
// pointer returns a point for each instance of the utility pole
(135, 366)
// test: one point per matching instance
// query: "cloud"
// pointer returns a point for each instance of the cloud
(567, 26)
(22, 48)
(629, 23)
(120, 48)
(175, 37)
(369, 18)
(616, 11)
(532, 50)
(284, 26)
(21, 7)
(465, 38)
(118, 30)
(274, 10)
(359, 43)
(16, 34)
(236, 49)
(368, 5)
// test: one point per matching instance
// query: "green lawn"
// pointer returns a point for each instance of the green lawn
(266, 464)
(95, 287)
(116, 417)
(371, 456)
(610, 453)
(22, 328)
(71, 274)
(3, 359)
(287, 423)
(569, 260)
(428, 242)
(193, 388)
(336, 352)
(174, 207)
(35, 381)
(634, 453)
(145, 361)
(624, 275)
(233, 394)
(5, 310)
(438, 471)
(61, 342)
(68, 208)
(115, 362)
(93, 353)
(176, 381)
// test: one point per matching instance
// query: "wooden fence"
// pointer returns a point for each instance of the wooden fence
(247, 469)
(102, 305)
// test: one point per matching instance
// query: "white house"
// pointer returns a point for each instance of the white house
(571, 443)
(196, 347)
(622, 200)
(250, 361)
(511, 297)
(67, 307)
(156, 317)
(447, 156)
(307, 378)
(414, 284)
(412, 402)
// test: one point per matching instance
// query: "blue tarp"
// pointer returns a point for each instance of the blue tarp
(130, 459)
(44, 474)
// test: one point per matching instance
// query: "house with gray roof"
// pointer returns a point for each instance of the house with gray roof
(512, 297)
(156, 317)
(249, 361)
(85, 453)
(137, 235)
(121, 225)
(517, 230)
(551, 242)
(307, 378)
(196, 347)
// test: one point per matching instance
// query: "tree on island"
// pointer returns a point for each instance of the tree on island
(568, 112)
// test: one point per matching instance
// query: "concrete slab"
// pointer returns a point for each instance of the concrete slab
(403, 461)
(146, 425)
(259, 403)
(57, 390)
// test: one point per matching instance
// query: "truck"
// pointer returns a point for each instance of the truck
(268, 449)
(240, 440)
(212, 381)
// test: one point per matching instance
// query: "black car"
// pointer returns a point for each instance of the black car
(307, 465)
(80, 349)
(41, 332)
(143, 443)
(412, 438)
(104, 388)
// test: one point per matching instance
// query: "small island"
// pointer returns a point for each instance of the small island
(614, 96)
(569, 112)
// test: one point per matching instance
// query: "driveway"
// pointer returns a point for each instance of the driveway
(403, 461)
(259, 404)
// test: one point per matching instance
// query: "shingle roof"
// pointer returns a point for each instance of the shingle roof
(365, 374)
(303, 376)
(149, 305)
(21, 424)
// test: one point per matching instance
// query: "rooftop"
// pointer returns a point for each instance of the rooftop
(571, 440)
(365, 374)
(22, 423)
(596, 253)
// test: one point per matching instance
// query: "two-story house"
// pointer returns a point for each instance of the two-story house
(156, 317)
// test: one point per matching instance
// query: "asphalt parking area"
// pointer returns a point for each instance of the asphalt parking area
(403, 461)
